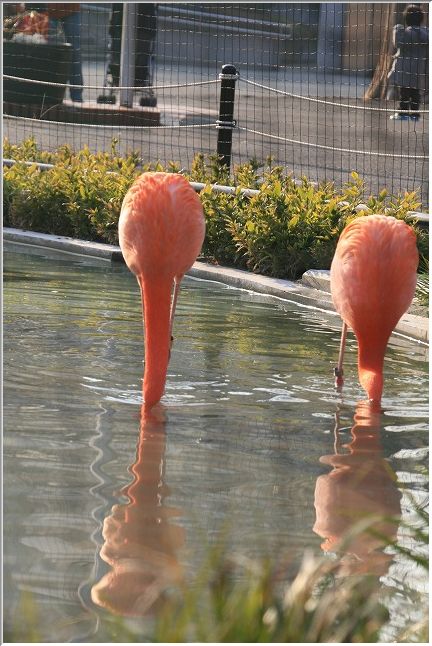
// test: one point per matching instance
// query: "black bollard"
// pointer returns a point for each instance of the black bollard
(225, 124)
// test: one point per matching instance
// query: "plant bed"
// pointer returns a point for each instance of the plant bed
(282, 230)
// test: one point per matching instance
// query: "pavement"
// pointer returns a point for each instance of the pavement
(309, 136)
(312, 291)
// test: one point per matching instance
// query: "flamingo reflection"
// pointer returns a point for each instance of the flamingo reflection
(140, 541)
(361, 484)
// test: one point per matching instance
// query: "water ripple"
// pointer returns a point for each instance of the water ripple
(250, 416)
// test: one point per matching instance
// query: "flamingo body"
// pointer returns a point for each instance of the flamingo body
(161, 230)
(373, 280)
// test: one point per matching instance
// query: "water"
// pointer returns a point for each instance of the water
(243, 447)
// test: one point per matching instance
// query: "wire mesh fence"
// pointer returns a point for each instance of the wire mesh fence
(315, 88)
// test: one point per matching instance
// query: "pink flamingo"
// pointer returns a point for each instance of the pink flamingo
(161, 230)
(373, 280)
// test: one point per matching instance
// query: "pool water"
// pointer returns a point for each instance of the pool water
(104, 507)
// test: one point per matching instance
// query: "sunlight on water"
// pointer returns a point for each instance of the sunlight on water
(104, 507)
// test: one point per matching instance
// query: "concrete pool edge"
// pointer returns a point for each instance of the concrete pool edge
(311, 291)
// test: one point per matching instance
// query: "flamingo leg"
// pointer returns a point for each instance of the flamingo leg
(338, 371)
(177, 281)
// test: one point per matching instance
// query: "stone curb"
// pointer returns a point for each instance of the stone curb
(320, 279)
(312, 291)
(61, 243)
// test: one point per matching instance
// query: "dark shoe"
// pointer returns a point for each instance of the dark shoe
(107, 98)
(148, 99)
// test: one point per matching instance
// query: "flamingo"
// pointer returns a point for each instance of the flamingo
(373, 280)
(161, 231)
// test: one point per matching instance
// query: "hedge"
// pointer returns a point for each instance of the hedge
(288, 227)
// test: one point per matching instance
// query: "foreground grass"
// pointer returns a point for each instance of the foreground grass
(243, 602)
(315, 607)
(234, 599)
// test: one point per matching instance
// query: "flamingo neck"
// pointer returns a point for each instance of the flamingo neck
(156, 297)
(370, 368)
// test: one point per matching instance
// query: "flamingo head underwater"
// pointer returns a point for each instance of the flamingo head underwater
(161, 231)
(373, 280)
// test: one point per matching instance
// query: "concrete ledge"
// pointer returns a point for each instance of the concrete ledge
(275, 287)
(320, 279)
(312, 291)
(61, 243)
(415, 327)
(317, 278)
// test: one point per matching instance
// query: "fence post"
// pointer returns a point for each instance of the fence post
(127, 56)
(225, 124)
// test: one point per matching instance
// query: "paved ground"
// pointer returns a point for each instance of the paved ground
(317, 139)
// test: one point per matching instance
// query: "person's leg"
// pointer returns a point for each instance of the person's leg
(415, 104)
(145, 37)
(404, 104)
(405, 96)
(115, 32)
(72, 29)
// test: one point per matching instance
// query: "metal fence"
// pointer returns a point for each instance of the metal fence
(313, 89)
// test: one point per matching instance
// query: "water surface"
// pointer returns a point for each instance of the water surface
(104, 508)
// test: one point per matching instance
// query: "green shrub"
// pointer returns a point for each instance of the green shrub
(219, 244)
(41, 203)
(80, 197)
(422, 291)
(287, 228)
(27, 151)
